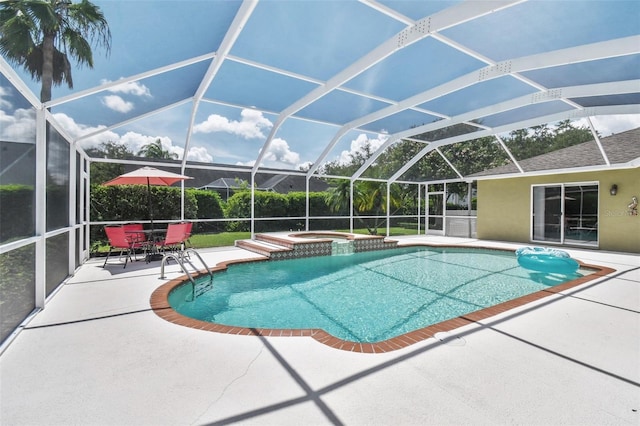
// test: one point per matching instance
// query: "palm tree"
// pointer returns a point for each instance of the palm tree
(369, 197)
(41, 36)
(155, 150)
(338, 195)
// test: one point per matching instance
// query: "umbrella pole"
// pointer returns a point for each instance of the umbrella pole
(149, 203)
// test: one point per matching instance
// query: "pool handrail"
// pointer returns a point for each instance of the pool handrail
(180, 260)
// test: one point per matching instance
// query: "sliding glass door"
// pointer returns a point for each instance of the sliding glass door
(565, 214)
(581, 212)
(547, 213)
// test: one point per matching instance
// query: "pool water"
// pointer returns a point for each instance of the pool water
(363, 297)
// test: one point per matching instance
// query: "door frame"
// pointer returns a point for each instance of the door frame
(428, 215)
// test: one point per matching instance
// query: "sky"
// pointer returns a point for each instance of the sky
(313, 41)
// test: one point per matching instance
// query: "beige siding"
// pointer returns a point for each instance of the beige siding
(504, 207)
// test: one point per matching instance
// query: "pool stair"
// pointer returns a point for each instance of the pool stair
(309, 244)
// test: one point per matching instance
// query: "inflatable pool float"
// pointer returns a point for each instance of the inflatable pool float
(546, 260)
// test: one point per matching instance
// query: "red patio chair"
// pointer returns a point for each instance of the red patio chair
(118, 241)
(187, 232)
(174, 238)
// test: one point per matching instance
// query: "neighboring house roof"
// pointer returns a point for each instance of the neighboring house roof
(222, 183)
(271, 183)
(277, 183)
(621, 148)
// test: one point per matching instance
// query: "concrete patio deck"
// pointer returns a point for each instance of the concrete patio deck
(98, 355)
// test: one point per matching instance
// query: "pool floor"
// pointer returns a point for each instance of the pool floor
(160, 305)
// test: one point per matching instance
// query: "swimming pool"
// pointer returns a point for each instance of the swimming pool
(365, 297)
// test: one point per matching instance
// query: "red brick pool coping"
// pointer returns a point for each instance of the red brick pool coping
(160, 304)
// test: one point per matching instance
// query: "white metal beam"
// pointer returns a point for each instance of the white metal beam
(509, 153)
(137, 77)
(132, 120)
(620, 109)
(599, 89)
(630, 86)
(275, 70)
(424, 151)
(369, 161)
(388, 11)
(421, 29)
(591, 111)
(449, 163)
(40, 209)
(17, 82)
(597, 139)
(618, 47)
(239, 21)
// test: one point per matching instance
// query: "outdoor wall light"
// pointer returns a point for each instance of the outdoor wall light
(614, 189)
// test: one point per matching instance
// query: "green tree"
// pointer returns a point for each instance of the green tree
(103, 172)
(566, 135)
(348, 168)
(538, 140)
(41, 36)
(155, 150)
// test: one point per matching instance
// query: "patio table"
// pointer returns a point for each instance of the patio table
(151, 236)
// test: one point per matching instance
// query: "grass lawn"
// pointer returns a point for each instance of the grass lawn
(382, 231)
(226, 239)
(222, 239)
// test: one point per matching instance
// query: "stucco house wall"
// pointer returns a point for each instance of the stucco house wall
(504, 207)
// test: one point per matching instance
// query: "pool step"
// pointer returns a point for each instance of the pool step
(260, 247)
(278, 247)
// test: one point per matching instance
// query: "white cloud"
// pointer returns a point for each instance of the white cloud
(251, 125)
(278, 155)
(4, 103)
(116, 103)
(607, 125)
(133, 140)
(20, 127)
(132, 88)
(76, 130)
(279, 152)
(305, 166)
(358, 144)
(199, 153)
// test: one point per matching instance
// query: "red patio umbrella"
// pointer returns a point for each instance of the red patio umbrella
(149, 176)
